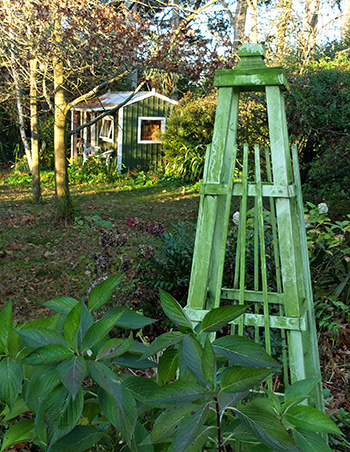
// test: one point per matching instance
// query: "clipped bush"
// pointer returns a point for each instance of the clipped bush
(189, 130)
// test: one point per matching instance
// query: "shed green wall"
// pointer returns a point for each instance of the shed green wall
(137, 155)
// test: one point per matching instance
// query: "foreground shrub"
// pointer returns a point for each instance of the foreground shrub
(65, 384)
(169, 265)
(189, 130)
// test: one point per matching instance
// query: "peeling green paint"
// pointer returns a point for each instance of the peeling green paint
(286, 306)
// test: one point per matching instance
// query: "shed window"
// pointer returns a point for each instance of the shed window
(150, 128)
(107, 129)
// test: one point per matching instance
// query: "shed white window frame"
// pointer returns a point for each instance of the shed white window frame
(149, 118)
(109, 128)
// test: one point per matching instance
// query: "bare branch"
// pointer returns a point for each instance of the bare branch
(94, 91)
(228, 11)
(189, 19)
(106, 112)
(45, 94)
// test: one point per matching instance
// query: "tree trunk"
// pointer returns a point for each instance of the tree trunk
(309, 34)
(253, 5)
(17, 84)
(175, 17)
(63, 201)
(34, 133)
(285, 12)
(240, 21)
(22, 127)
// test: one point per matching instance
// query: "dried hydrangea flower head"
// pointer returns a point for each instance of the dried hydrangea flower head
(322, 208)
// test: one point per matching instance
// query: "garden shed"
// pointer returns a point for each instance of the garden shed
(132, 133)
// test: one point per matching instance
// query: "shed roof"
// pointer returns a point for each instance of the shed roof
(110, 100)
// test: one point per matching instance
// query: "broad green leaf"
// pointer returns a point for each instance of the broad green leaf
(71, 326)
(241, 379)
(11, 376)
(266, 427)
(140, 388)
(48, 354)
(227, 399)
(61, 304)
(262, 448)
(163, 341)
(101, 294)
(139, 436)
(196, 445)
(81, 438)
(191, 358)
(5, 326)
(105, 377)
(86, 320)
(310, 441)
(167, 366)
(134, 362)
(177, 392)
(273, 401)
(98, 331)
(301, 387)
(298, 392)
(18, 408)
(167, 423)
(91, 409)
(41, 383)
(293, 400)
(37, 337)
(116, 402)
(138, 348)
(217, 318)
(309, 418)
(189, 429)
(174, 311)
(209, 362)
(243, 352)
(21, 432)
(40, 428)
(72, 372)
(122, 415)
(14, 345)
(130, 319)
(115, 347)
(240, 431)
(49, 323)
(62, 412)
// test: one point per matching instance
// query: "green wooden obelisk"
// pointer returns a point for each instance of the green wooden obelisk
(271, 229)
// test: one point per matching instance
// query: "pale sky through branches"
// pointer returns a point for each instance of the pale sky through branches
(329, 21)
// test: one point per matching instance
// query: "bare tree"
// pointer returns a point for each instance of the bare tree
(77, 43)
(283, 22)
(308, 35)
(345, 26)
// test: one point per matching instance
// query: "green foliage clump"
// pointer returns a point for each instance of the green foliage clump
(328, 177)
(169, 266)
(329, 251)
(189, 130)
(66, 385)
(318, 110)
(9, 132)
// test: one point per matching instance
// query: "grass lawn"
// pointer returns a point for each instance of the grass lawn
(41, 258)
